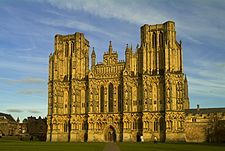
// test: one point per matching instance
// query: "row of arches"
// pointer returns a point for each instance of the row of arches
(172, 125)
(155, 125)
(133, 124)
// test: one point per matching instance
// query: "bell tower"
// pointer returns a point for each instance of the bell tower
(68, 71)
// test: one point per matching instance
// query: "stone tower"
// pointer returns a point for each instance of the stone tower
(163, 82)
(67, 88)
(145, 95)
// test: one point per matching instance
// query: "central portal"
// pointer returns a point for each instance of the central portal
(110, 135)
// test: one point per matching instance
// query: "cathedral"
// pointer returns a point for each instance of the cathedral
(145, 96)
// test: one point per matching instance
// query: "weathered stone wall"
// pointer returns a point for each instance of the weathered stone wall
(196, 132)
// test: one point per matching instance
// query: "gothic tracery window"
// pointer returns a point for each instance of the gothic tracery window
(154, 40)
(120, 97)
(156, 125)
(102, 99)
(161, 39)
(66, 49)
(110, 98)
(65, 127)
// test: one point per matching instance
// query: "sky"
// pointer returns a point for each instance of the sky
(28, 27)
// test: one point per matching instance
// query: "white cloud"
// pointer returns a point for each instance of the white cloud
(131, 11)
(30, 80)
(199, 19)
(14, 110)
(27, 80)
(31, 91)
(19, 66)
(207, 78)
(70, 23)
(33, 111)
(42, 60)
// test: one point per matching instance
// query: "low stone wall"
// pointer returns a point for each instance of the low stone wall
(175, 137)
(196, 132)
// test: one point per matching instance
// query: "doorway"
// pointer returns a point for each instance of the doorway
(110, 134)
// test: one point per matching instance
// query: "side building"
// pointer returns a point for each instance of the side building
(8, 125)
(205, 125)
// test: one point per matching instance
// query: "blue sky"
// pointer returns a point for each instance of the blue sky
(27, 29)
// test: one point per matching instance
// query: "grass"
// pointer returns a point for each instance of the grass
(170, 147)
(7, 145)
(15, 145)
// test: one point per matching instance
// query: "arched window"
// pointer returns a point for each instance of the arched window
(161, 39)
(156, 125)
(102, 99)
(65, 127)
(169, 125)
(140, 124)
(147, 124)
(72, 47)
(180, 124)
(134, 124)
(66, 49)
(154, 40)
(120, 98)
(110, 98)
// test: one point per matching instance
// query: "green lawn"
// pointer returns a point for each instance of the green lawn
(14, 145)
(43, 146)
(170, 147)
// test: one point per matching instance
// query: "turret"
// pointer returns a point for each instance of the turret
(110, 47)
(18, 120)
(186, 98)
(128, 53)
(93, 58)
(171, 33)
(50, 70)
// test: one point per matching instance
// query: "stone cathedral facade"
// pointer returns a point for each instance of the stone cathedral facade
(145, 95)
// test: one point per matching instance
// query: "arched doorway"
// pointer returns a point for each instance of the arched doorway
(85, 137)
(138, 137)
(110, 135)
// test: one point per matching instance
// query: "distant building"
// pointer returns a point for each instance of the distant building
(145, 95)
(8, 125)
(36, 128)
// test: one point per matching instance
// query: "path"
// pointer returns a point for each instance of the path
(111, 147)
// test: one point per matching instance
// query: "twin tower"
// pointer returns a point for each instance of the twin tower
(145, 95)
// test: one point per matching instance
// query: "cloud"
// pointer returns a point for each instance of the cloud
(221, 65)
(42, 60)
(206, 78)
(28, 80)
(131, 11)
(18, 66)
(196, 19)
(31, 91)
(22, 110)
(31, 80)
(14, 110)
(33, 111)
(71, 23)
(210, 88)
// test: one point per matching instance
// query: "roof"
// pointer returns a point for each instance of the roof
(7, 116)
(205, 110)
